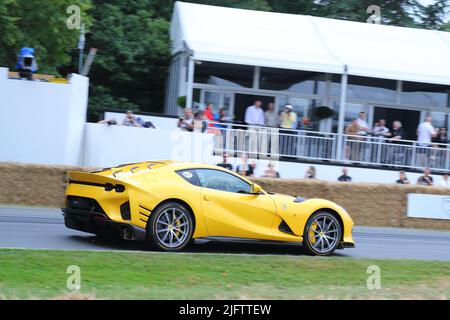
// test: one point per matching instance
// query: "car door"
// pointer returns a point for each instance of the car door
(229, 208)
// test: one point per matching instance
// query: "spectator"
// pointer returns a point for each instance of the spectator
(396, 154)
(380, 130)
(441, 137)
(109, 122)
(244, 169)
(224, 163)
(352, 129)
(425, 132)
(208, 112)
(426, 179)
(288, 118)
(271, 117)
(306, 124)
(145, 124)
(130, 120)
(221, 115)
(288, 139)
(345, 177)
(199, 123)
(254, 115)
(445, 182)
(353, 149)
(186, 123)
(252, 168)
(310, 173)
(398, 133)
(271, 172)
(362, 124)
(403, 179)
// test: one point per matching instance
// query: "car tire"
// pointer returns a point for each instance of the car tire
(322, 234)
(170, 227)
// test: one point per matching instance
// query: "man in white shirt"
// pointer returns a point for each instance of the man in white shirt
(445, 182)
(425, 131)
(254, 115)
(362, 123)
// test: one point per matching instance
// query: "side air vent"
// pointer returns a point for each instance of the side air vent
(283, 227)
(125, 211)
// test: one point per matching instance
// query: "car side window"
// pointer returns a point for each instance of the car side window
(190, 176)
(219, 180)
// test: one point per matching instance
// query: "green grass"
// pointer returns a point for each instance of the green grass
(41, 274)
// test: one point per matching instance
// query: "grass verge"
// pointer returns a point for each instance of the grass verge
(42, 274)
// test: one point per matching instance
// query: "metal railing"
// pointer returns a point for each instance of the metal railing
(279, 143)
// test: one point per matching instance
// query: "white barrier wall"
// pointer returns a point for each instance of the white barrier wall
(107, 146)
(42, 122)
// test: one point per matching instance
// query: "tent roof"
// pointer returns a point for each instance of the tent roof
(309, 43)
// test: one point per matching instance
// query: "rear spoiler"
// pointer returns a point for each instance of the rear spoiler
(96, 180)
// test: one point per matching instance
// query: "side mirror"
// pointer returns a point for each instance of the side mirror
(256, 189)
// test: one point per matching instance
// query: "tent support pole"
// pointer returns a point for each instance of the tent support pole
(190, 81)
(343, 99)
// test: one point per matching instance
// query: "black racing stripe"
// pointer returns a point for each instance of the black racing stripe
(145, 215)
(87, 183)
(142, 220)
(145, 208)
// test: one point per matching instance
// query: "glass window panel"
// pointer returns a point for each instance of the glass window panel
(351, 113)
(290, 80)
(214, 99)
(371, 89)
(423, 94)
(223, 74)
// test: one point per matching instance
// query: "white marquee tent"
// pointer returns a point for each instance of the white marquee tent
(309, 43)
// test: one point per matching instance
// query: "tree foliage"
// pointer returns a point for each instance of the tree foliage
(41, 25)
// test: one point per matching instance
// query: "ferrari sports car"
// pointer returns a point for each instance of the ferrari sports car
(169, 204)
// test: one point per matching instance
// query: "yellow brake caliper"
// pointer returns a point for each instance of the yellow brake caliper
(312, 232)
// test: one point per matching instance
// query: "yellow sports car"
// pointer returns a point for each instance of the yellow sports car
(169, 204)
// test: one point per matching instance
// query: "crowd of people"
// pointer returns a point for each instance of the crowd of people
(286, 119)
(202, 120)
(130, 120)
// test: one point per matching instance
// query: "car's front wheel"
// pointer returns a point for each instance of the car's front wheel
(170, 227)
(322, 234)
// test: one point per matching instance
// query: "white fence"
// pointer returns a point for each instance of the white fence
(275, 143)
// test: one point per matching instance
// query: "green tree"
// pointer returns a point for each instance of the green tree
(133, 45)
(433, 15)
(41, 25)
(393, 12)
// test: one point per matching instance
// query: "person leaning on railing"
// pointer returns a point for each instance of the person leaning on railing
(288, 124)
(351, 149)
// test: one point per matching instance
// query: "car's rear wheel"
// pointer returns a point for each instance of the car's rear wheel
(322, 234)
(170, 227)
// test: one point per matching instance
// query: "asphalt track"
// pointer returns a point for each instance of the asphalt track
(43, 228)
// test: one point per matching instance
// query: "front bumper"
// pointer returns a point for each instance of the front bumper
(100, 224)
